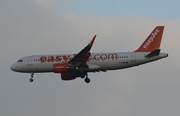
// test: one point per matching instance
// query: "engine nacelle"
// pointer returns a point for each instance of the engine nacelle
(60, 68)
(68, 76)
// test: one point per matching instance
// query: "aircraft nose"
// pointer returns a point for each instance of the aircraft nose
(13, 67)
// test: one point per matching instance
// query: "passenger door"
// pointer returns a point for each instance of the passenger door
(30, 60)
(133, 57)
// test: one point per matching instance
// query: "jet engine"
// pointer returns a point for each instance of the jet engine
(60, 68)
(68, 76)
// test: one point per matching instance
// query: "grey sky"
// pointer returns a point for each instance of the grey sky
(37, 27)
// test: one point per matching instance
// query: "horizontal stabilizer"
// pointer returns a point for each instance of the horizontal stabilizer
(153, 53)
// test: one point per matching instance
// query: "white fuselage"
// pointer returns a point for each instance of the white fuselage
(72, 66)
(97, 61)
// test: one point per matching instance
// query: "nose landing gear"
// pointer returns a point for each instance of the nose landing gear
(87, 80)
(31, 79)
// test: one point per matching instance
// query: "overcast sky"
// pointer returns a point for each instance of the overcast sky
(30, 27)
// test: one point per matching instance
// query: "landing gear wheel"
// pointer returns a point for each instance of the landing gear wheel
(31, 80)
(82, 76)
(87, 80)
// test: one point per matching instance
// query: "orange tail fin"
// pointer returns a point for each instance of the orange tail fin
(153, 41)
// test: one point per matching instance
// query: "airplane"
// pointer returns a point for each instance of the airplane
(71, 66)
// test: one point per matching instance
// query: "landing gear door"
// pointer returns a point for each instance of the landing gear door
(133, 57)
(30, 59)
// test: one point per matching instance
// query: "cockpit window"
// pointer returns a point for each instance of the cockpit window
(20, 61)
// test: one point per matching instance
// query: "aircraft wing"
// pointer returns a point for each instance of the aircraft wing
(83, 55)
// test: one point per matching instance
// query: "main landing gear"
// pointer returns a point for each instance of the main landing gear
(87, 80)
(31, 79)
